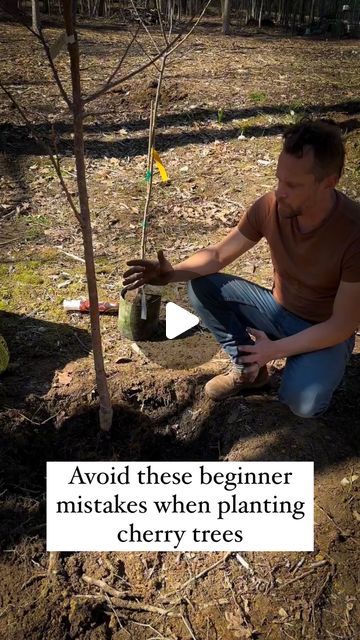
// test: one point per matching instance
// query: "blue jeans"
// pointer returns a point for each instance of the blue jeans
(228, 304)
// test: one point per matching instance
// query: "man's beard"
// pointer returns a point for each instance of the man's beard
(288, 212)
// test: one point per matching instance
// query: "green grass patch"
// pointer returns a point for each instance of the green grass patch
(257, 97)
(28, 273)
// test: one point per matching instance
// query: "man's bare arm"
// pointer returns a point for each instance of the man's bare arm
(213, 258)
(340, 326)
(202, 263)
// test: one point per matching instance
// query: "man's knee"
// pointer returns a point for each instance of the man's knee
(197, 289)
(302, 411)
(192, 287)
(305, 403)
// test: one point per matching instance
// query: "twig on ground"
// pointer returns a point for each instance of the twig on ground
(53, 566)
(300, 577)
(37, 424)
(243, 562)
(298, 565)
(86, 349)
(70, 255)
(345, 534)
(7, 215)
(318, 595)
(2, 244)
(131, 606)
(114, 612)
(199, 575)
(160, 636)
(104, 586)
(320, 563)
(188, 625)
(36, 576)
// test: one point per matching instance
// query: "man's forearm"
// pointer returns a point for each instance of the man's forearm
(320, 336)
(201, 263)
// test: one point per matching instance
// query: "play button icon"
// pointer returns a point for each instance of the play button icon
(178, 320)
(193, 345)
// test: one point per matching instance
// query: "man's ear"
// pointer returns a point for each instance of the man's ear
(330, 182)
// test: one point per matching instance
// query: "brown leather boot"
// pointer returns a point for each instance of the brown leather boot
(233, 383)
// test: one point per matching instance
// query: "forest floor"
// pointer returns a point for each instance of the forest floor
(218, 165)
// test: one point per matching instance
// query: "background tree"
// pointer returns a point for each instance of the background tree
(226, 16)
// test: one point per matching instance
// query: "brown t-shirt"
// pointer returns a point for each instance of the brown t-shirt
(308, 267)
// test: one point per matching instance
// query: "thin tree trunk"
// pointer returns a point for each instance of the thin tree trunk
(302, 12)
(260, 13)
(311, 14)
(294, 16)
(78, 115)
(35, 15)
(226, 17)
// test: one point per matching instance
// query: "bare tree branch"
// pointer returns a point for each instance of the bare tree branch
(144, 50)
(167, 51)
(103, 89)
(53, 69)
(161, 23)
(188, 34)
(113, 74)
(144, 26)
(23, 20)
(53, 157)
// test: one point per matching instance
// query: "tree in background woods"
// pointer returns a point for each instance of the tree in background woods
(282, 12)
(226, 12)
(35, 10)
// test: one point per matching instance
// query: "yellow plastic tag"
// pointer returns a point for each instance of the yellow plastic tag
(160, 166)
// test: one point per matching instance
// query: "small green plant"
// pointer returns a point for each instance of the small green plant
(293, 117)
(220, 115)
(257, 97)
(297, 105)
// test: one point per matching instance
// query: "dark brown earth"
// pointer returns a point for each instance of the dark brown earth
(263, 81)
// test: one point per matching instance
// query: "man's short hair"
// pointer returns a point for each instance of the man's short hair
(324, 137)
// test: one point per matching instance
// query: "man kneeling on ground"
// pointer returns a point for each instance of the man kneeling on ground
(311, 314)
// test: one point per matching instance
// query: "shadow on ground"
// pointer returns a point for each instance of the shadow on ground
(38, 349)
(17, 140)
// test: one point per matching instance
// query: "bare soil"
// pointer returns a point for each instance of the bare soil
(217, 165)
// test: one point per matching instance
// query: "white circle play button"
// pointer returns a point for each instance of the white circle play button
(178, 320)
(179, 341)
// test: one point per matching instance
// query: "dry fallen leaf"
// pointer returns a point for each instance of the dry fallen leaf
(65, 377)
(123, 359)
(236, 625)
(345, 481)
